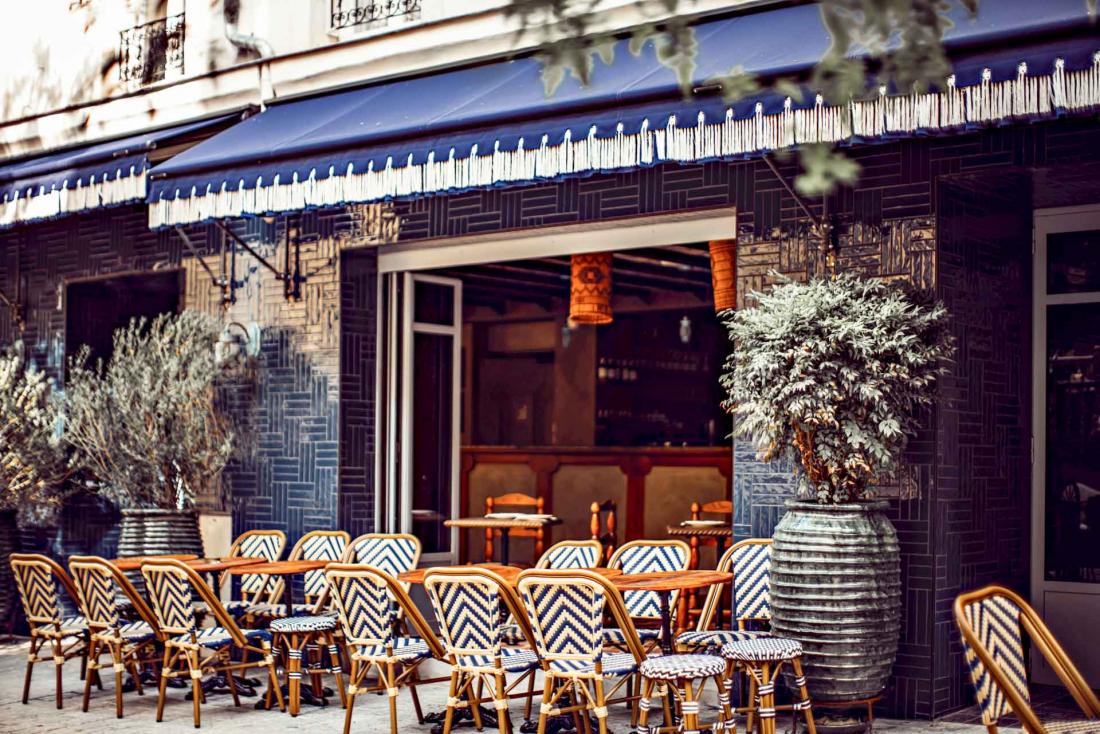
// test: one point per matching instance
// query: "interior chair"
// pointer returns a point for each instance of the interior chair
(602, 527)
(131, 644)
(365, 597)
(750, 563)
(566, 611)
(716, 510)
(38, 579)
(191, 651)
(993, 621)
(469, 605)
(519, 502)
(647, 556)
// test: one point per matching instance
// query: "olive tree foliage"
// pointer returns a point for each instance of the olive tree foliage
(34, 467)
(898, 43)
(829, 375)
(145, 425)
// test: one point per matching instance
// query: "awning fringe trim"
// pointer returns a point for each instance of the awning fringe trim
(1025, 97)
(37, 204)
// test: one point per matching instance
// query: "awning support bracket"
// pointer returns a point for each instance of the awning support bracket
(292, 290)
(226, 285)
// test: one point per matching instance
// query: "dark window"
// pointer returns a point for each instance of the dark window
(1073, 262)
(94, 309)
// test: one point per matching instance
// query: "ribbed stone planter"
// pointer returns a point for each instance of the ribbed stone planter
(836, 587)
(149, 532)
(8, 535)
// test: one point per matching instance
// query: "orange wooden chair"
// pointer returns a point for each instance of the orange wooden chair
(519, 502)
(602, 527)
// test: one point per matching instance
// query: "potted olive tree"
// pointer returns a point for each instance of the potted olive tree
(146, 426)
(34, 465)
(829, 376)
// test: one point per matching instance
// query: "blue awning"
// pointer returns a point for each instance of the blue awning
(92, 176)
(493, 125)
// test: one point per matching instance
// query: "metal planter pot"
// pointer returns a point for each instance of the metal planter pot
(836, 587)
(150, 532)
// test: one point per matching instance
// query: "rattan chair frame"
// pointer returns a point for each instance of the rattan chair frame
(544, 559)
(45, 630)
(1041, 637)
(184, 657)
(714, 594)
(263, 594)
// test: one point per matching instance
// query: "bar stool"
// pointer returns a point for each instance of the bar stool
(678, 674)
(762, 659)
(298, 635)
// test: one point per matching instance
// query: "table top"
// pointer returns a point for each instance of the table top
(133, 563)
(213, 565)
(701, 531)
(500, 522)
(279, 568)
(671, 580)
(510, 574)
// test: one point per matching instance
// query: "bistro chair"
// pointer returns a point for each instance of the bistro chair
(647, 556)
(572, 554)
(723, 509)
(365, 598)
(685, 677)
(394, 553)
(131, 644)
(520, 502)
(566, 611)
(265, 544)
(316, 545)
(750, 562)
(992, 621)
(171, 585)
(762, 660)
(469, 605)
(602, 527)
(37, 578)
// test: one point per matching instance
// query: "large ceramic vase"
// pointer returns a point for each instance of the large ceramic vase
(836, 587)
(8, 539)
(150, 532)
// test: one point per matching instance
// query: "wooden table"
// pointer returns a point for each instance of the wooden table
(134, 563)
(663, 583)
(280, 568)
(510, 574)
(720, 534)
(504, 525)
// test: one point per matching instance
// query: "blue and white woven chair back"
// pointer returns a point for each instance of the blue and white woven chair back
(569, 555)
(99, 593)
(268, 546)
(363, 600)
(394, 554)
(171, 594)
(996, 623)
(38, 590)
(320, 547)
(468, 609)
(649, 558)
(566, 616)
(752, 581)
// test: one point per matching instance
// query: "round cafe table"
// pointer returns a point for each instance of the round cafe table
(663, 583)
(134, 563)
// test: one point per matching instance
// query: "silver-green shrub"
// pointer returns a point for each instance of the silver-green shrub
(830, 374)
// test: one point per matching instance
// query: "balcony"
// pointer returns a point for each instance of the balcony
(152, 51)
(371, 14)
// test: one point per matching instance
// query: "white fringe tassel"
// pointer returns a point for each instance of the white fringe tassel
(985, 102)
(32, 205)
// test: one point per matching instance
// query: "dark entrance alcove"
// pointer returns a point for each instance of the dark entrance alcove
(95, 308)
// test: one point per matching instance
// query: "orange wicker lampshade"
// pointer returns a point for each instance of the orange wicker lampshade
(590, 289)
(723, 273)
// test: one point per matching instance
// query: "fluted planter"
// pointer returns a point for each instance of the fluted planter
(150, 532)
(836, 587)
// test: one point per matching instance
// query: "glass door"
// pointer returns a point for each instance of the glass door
(428, 470)
(1065, 557)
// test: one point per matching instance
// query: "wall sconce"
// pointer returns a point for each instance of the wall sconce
(685, 330)
(237, 344)
(566, 334)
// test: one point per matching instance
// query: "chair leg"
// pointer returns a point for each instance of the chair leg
(334, 659)
(58, 663)
(231, 681)
(643, 704)
(766, 691)
(165, 669)
(601, 706)
(807, 706)
(500, 704)
(116, 657)
(527, 702)
(547, 695)
(354, 677)
(273, 676)
(452, 697)
(414, 680)
(293, 673)
(196, 684)
(84, 657)
(391, 694)
(93, 654)
(724, 703)
(31, 656)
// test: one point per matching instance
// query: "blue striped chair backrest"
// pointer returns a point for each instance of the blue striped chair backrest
(566, 616)
(99, 593)
(468, 609)
(649, 557)
(37, 589)
(259, 544)
(171, 594)
(394, 554)
(995, 621)
(570, 554)
(752, 580)
(320, 546)
(363, 600)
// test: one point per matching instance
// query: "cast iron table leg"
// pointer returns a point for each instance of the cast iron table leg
(504, 545)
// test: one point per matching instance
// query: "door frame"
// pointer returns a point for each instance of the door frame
(1045, 222)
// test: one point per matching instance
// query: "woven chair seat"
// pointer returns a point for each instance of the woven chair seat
(615, 636)
(614, 665)
(235, 607)
(303, 624)
(219, 636)
(512, 634)
(138, 631)
(679, 667)
(69, 626)
(404, 649)
(1073, 726)
(716, 638)
(278, 611)
(512, 659)
(762, 650)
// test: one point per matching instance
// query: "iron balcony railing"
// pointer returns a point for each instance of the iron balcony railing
(372, 13)
(148, 51)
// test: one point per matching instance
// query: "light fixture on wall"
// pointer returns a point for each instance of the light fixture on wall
(590, 289)
(685, 330)
(566, 334)
(237, 344)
